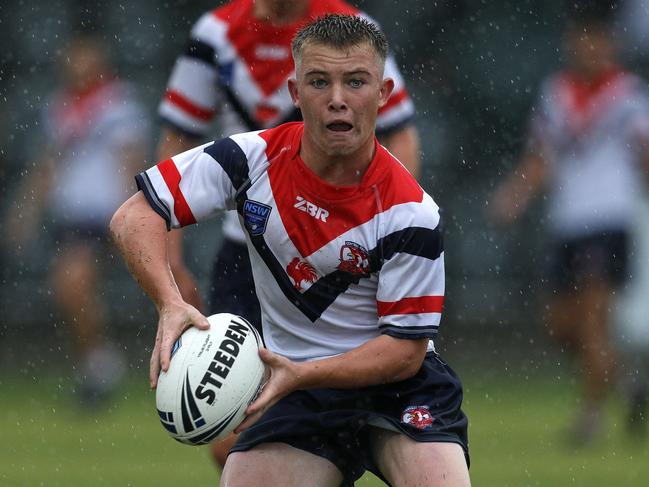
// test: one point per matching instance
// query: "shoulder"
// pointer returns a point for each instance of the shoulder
(402, 196)
(212, 25)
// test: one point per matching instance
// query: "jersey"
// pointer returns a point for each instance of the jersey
(238, 66)
(333, 266)
(591, 136)
(88, 131)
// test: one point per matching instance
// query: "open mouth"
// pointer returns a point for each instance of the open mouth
(339, 126)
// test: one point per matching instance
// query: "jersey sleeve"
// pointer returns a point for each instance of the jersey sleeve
(639, 118)
(410, 294)
(189, 102)
(195, 185)
(399, 111)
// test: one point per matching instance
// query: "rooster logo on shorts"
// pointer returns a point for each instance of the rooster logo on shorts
(417, 416)
(300, 271)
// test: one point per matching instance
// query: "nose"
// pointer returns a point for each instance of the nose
(337, 101)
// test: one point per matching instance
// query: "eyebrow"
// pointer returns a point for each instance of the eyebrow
(346, 73)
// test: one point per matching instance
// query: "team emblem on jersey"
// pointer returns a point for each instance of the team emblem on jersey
(354, 259)
(417, 416)
(300, 271)
(255, 217)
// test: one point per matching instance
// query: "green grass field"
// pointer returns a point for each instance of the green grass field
(515, 433)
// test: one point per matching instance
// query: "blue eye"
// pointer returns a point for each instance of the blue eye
(356, 83)
(319, 83)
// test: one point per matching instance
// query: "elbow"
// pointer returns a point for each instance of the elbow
(119, 222)
(410, 368)
(411, 362)
(116, 224)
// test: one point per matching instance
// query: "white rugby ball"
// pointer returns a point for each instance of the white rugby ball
(213, 375)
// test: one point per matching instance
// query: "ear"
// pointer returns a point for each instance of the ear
(292, 89)
(387, 86)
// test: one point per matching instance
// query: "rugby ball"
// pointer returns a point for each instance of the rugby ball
(213, 375)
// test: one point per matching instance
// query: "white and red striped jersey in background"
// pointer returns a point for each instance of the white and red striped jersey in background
(333, 266)
(593, 136)
(87, 131)
(237, 67)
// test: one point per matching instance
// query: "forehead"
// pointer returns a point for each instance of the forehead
(320, 57)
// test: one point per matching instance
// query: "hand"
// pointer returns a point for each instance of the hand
(174, 319)
(284, 378)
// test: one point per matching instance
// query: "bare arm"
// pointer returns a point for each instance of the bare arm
(141, 236)
(382, 360)
(404, 145)
(171, 143)
(514, 195)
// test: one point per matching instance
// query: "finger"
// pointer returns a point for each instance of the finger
(267, 356)
(263, 401)
(248, 422)
(154, 366)
(200, 321)
(168, 339)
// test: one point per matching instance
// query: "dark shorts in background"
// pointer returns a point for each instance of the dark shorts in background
(335, 423)
(602, 256)
(232, 288)
(91, 233)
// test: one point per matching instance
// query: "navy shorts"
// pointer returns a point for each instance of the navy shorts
(91, 233)
(600, 256)
(232, 289)
(335, 423)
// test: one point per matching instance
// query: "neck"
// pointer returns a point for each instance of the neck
(280, 12)
(338, 170)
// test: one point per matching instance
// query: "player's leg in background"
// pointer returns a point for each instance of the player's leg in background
(560, 317)
(279, 464)
(74, 279)
(406, 462)
(596, 355)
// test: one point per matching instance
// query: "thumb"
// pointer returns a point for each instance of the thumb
(199, 321)
(267, 356)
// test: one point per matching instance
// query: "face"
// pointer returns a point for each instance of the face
(339, 94)
(83, 65)
(590, 51)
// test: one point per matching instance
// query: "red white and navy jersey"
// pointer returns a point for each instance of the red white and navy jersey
(238, 65)
(333, 266)
(592, 136)
(87, 132)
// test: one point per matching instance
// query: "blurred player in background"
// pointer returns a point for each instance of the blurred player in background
(236, 65)
(588, 146)
(95, 131)
(351, 295)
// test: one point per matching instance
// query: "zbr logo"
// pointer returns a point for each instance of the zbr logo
(417, 416)
(300, 271)
(255, 217)
(354, 258)
(313, 210)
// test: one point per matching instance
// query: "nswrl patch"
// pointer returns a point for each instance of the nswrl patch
(255, 217)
